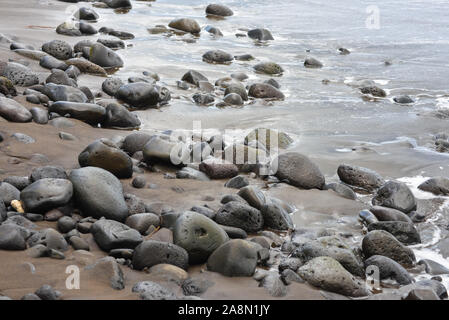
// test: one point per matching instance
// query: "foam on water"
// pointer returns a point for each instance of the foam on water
(423, 250)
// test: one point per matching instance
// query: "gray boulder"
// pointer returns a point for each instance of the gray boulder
(299, 171)
(87, 112)
(142, 94)
(360, 177)
(395, 195)
(198, 235)
(59, 49)
(260, 34)
(150, 253)
(135, 142)
(99, 193)
(328, 274)
(240, 215)
(438, 186)
(235, 258)
(219, 10)
(186, 25)
(218, 57)
(379, 242)
(104, 57)
(14, 111)
(389, 269)
(110, 234)
(8, 193)
(104, 154)
(64, 93)
(142, 221)
(265, 91)
(389, 214)
(405, 232)
(18, 74)
(46, 194)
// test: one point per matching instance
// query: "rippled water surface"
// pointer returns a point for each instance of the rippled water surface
(329, 121)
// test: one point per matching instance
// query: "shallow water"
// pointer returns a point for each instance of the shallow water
(325, 119)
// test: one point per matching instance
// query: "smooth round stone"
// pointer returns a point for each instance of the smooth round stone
(198, 235)
(265, 91)
(40, 116)
(14, 111)
(270, 68)
(260, 34)
(110, 234)
(46, 194)
(50, 62)
(139, 182)
(186, 25)
(218, 10)
(103, 154)
(235, 258)
(312, 63)
(218, 57)
(104, 57)
(150, 253)
(99, 193)
(299, 171)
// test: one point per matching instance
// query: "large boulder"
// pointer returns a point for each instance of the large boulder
(254, 196)
(14, 111)
(59, 49)
(18, 74)
(299, 171)
(405, 232)
(198, 235)
(276, 217)
(142, 94)
(186, 25)
(158, 149)
(135, 142)
(110, 234)
(117, 116)
(143, 221)
(218, 169)
(98, 193)
(194, 77)
(389, 214)
(46, 194)
(50, 238)
(87, 112)
(8, 193)
(104, 154)
(104, 57)
(360, 177)
(218, 10)
(379, 242)
(389, 269)
(438, 186)
(260, 34)
(328, 274)
(12, 237)
(116, 4)
(240, 215)
(234, 258)
(59, 92)
(313, 249)
(395, 195)
(265, 91)
(151, 252)
(218, 57)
